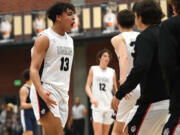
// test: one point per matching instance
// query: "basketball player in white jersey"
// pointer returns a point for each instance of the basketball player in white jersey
(124, 48)
(100, 84)
(49, 93)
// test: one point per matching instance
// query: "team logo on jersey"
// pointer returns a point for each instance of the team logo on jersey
(54, 40)
(43, 111)
(133, 129)
(166, 131)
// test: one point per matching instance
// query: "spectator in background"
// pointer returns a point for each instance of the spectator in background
(39, 24)
(77, 119)
(28, 120)
(2, 118)
(5, 28)
(10, 123)
(109, 21)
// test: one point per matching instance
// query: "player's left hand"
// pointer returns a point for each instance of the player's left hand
(115, 103)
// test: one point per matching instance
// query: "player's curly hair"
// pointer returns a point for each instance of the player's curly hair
(100, 53)
(58, 9)
(149, 10)
(176, 4)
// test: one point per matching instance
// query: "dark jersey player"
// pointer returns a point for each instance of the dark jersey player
(28, 120)
(151, 109)
(169, 57)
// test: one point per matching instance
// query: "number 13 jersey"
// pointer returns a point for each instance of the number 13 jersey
(102, 86)
(58, 60)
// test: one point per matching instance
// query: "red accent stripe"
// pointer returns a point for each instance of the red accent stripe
(143, 119)
(175, 129)
(38, 103)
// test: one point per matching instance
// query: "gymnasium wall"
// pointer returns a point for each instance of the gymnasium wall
(25, 5)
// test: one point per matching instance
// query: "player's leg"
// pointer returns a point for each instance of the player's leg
(97, 121)
(105, 129)
(97, 128)
(126, 131)
(51, 124)
(28, 133)
(124, 108)
(118, 128)
(107, 121)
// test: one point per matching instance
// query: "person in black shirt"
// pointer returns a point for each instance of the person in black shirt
(151, 109)
(169, 58)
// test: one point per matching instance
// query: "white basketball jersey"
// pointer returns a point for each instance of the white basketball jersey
(58, 60)
(102, 86)
(130, 38)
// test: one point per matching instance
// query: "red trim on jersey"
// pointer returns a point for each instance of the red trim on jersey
(143, 119)
(38, 104)
(175, 129)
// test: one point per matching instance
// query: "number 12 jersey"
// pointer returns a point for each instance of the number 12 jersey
(102, 86)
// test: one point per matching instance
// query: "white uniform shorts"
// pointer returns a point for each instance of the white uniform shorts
(148, 119)
(40, 108)
(125, 106)
(103, 117)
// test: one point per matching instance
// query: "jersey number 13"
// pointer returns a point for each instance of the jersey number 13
(64, 64)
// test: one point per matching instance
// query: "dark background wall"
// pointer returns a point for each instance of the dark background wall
(25, 5)
(12, 62)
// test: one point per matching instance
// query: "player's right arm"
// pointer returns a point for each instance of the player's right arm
(119, 45)
(88, 88)
(40, 47)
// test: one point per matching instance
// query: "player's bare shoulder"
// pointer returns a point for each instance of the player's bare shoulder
(117, 39)
(42, 42)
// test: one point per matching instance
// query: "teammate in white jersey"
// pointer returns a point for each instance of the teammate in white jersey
(124, 48)
(49, 93)
(100, 84)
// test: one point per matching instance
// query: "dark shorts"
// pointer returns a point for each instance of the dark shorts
(43, 109)
(28, 122)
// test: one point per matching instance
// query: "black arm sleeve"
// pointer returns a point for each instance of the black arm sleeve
(168, 52)
(142, 63)
(167, 46)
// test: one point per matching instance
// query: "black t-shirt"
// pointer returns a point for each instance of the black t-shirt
(146, 70)
(169, 58)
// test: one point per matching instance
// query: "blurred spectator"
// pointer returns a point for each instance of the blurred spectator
(10, 123)
(77, 119)
(39, 24)
(109, 21)
(2, 118)
(5, 28)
